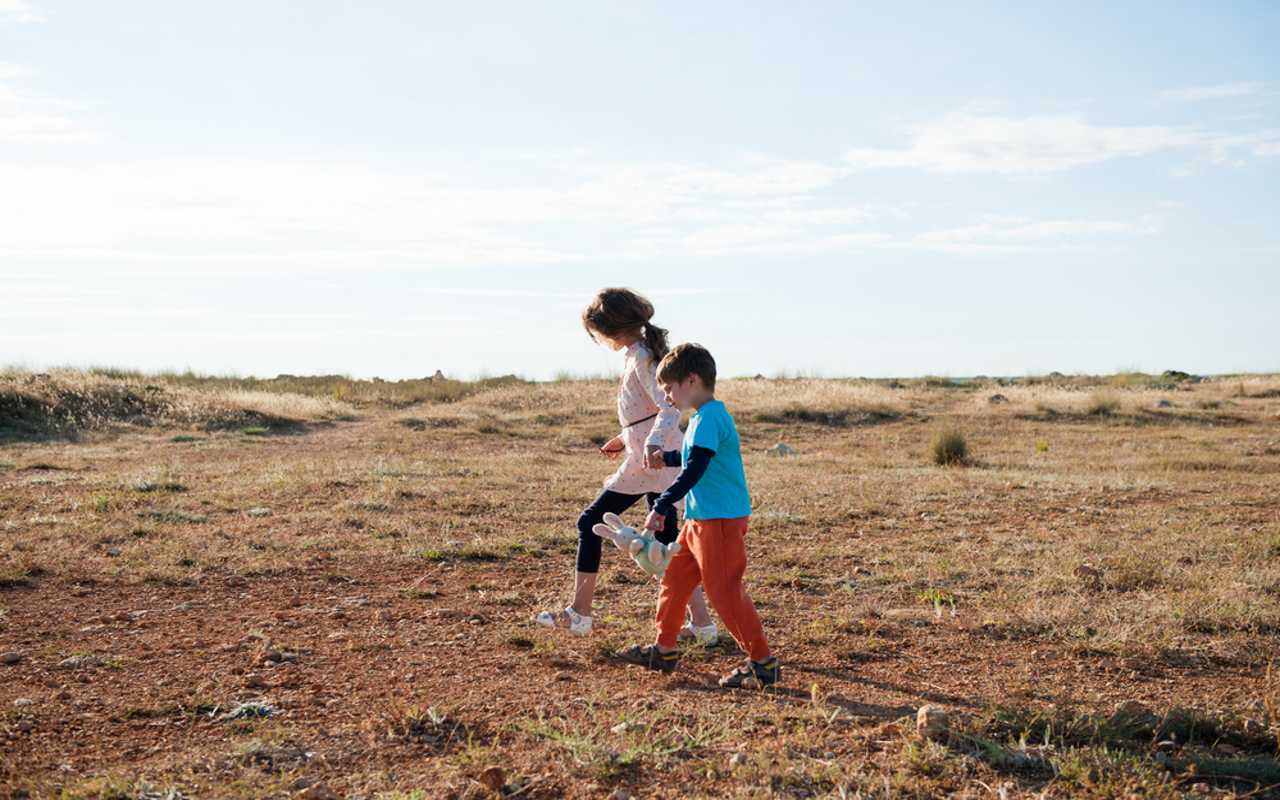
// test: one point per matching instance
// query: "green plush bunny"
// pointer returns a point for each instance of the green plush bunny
(652, 555)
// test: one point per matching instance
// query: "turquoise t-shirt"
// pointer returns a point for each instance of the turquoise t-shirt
(722, 491)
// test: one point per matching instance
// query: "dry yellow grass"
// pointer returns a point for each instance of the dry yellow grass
(1080, 560)
(70, 401)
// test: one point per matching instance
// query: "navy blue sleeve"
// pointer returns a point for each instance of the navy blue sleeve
(699, 458)
(671, 458)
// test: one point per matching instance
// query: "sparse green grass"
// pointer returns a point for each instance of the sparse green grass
(159, 485)
(940, 599)
(468, 553)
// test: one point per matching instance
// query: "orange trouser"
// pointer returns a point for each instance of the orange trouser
(713, 552)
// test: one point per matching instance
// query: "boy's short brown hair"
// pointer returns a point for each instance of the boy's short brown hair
(688, 359)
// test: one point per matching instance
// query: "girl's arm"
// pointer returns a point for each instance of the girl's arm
(668, 415)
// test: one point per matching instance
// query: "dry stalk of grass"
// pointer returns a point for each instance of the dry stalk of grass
(66, 402)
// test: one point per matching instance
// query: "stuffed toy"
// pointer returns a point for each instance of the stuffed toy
(652, 555)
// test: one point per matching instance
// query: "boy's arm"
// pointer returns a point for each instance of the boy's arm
(656, 458)
(699, 458)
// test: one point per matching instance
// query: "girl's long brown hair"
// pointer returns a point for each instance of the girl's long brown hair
(614, 312)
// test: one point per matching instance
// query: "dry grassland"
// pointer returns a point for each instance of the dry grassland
(231, 588)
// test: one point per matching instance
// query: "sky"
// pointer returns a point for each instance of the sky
(838, 189)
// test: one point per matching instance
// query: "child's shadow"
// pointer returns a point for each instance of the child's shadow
(854, 708)
(853, 677)
(799, 697)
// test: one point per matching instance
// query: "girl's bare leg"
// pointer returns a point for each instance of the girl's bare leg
(584, 591)
(698, 608)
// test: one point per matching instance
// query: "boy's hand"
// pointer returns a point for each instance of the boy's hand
(612, 448)
(654, 522)
(653, 457)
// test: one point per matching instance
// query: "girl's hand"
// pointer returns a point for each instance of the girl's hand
(654, 522)
(612, 448)
(653, 457)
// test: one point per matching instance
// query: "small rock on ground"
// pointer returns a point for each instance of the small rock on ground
(1088, 572)
(317, 791)
(493, 779)
(781, 450)
(932, 722)
(11, 657)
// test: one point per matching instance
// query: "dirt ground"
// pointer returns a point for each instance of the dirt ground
(344, 609)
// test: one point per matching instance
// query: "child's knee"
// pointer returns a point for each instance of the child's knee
(722, 593)
(586, 521)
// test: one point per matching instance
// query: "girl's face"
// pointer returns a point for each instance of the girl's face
(618, 342)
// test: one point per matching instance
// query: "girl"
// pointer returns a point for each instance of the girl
(619, 318)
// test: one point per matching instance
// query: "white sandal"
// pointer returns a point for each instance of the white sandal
(567, 620)
(704, 634)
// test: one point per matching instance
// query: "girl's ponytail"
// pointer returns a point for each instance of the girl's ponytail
(655, 339)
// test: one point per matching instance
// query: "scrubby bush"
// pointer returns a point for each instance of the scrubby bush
(949, 447)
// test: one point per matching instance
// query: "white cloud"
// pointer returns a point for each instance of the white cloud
(19, 11)
(34, 119)
(209, 215)
(965, 143)
(198, 214)
(969, 143)
(1018, 234)
(9, 71)
(1268, 148)
(1234, 150)
(1216, 92)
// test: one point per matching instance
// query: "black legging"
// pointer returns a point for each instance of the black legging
(615, 502)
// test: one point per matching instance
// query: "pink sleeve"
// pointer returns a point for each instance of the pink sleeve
(668, 416)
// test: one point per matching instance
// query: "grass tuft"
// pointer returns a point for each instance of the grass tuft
(1102, 405)
(949, 447)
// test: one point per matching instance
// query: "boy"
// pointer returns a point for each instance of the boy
(717, 509)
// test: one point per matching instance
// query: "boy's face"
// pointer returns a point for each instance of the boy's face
(683, 394)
